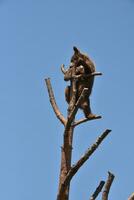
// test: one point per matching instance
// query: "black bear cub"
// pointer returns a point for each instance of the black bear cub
(83, 66)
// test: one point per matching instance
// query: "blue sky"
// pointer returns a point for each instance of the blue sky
(36, 37)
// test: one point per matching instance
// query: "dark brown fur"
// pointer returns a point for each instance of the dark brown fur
(83, 65)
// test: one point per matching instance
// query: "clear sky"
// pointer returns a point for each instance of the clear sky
(36, 37)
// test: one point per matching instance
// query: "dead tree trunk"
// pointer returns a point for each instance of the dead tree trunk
(67, 169)
(66, 153)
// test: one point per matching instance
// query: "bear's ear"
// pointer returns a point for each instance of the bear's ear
(76, 50)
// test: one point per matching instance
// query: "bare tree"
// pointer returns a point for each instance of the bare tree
(80, 73)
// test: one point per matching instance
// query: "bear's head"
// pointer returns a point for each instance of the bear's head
(80, 59)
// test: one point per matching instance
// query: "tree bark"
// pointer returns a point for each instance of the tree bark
(66, 155)
(107, 186)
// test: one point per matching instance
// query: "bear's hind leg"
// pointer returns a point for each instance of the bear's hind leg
(85, 106)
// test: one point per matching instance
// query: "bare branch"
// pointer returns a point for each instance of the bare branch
(83, 159)
(87, 75)
(53, 102)
(86, 119)
(63, 69)
(96, 74)
(97, 191)
(131, 196)
(107, 186)
(86, 156)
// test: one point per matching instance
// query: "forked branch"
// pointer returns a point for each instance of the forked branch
(83, 159)
(53, 102)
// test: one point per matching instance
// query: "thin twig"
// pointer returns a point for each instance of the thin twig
(97, 191)
(85, 120)
(131, 196)
(53, 102)
(107, 186)
(83, 159)
(96, 74)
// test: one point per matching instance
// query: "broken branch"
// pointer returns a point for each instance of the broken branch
(107, 186)
(97, 191)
